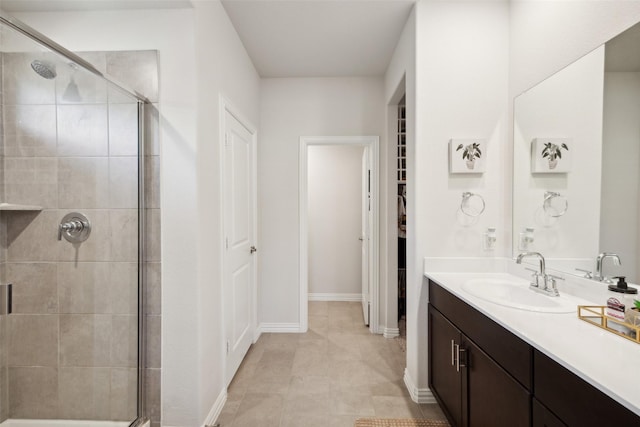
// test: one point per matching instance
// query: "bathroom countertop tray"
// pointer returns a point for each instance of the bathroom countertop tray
(596, 315)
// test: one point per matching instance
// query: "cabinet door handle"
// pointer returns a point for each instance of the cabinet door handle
(457, 357)
(462, 364)
(453, 353)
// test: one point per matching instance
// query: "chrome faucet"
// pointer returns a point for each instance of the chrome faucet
(547, 285)
(599, 263)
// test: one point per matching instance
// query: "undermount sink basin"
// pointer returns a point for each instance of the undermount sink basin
(516, 294)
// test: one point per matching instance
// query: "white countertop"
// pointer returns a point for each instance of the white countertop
(609, 362)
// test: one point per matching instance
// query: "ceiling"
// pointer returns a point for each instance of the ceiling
(288, 38)
(319, 38)
(71, 5)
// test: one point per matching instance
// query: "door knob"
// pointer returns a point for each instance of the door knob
(253, 249)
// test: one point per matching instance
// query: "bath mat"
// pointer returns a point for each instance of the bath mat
(406, 422)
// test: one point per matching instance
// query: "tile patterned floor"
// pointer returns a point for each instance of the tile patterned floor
(334, 374)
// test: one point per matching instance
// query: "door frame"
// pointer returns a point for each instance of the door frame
(373, 143)
(226, 107)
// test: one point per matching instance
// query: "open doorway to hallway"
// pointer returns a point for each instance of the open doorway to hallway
(339, 223)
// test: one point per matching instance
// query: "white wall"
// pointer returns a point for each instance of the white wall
(461, 92)
(567, 105)
(620, 173)
(290, 108)
(401, 72)
(335, 219)
(191, 45)
(549, 35)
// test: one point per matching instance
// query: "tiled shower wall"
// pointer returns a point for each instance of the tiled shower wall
(71, 342)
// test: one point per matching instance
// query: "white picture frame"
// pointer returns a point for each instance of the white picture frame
(467, 155)
(551, 155)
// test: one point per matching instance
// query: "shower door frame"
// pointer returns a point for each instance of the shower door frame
(141, 100)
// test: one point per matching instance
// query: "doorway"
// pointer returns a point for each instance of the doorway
(366, 238)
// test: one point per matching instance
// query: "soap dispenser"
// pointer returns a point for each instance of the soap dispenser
(621, 286)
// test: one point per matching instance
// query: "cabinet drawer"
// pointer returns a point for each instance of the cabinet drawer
(575, 401)
(509, 351)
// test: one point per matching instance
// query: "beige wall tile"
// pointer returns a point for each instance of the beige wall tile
(123, 129)
(32, 236)
(82, 130)
(21, 85)
(35, 288)
(91, 89)
(4, 388)
(153, 237)
(123, 399)
(84, 393)
(33, 340)
(153, 288)
(123, 182)
(136, 69)
(151, 130)
(124, 341)
(85, 340)
(152, 398)
(123, 238)
(33, 392)
(83, 183)
(4, 394)
(84, 287)
(123, 287)
(152, 182)
(29, 130)
(153, 341)
(31, 181)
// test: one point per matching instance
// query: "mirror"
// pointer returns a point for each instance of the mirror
(576, 178)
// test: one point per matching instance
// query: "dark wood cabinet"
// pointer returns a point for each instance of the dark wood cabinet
(542, 417)
(484, 376)
(494, 398)
(575, 401)
(472, 388)
(443, 375)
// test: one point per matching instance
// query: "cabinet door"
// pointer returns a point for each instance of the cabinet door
(444, 379)
(493, 397)
(573, 400)
(542, 417)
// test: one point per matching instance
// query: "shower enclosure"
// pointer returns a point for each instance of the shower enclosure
(71, 237)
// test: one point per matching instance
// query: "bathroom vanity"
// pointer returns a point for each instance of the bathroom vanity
(491, 365)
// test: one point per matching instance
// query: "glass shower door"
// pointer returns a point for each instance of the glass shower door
(69, 232)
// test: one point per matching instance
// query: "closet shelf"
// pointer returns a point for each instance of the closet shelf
(17, 207)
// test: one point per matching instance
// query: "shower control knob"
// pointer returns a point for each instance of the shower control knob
(74, 227)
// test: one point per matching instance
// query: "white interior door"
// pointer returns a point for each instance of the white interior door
(239, 231)
(365, 235)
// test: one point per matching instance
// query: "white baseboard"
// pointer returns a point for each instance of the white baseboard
(418, 395)
(278, 328)
(390, 332)
(334, 297)
(216, 409)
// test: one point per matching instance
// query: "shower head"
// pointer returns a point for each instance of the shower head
(44, 69)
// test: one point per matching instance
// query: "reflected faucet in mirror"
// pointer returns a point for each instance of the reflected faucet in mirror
(600, 276)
